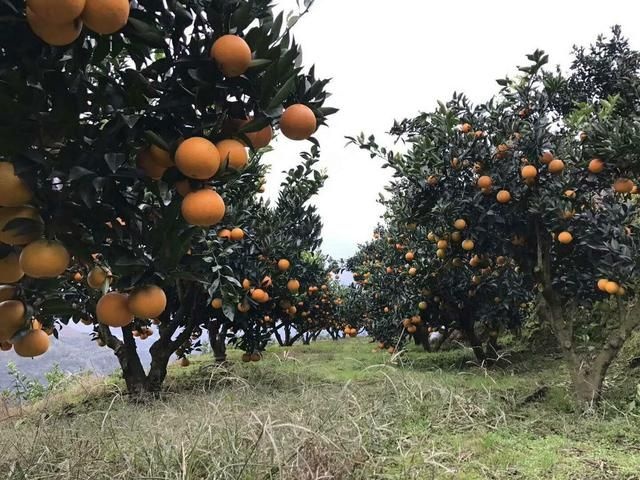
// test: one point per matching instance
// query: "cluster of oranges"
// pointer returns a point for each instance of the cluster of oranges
(60, 23)
(118, 309)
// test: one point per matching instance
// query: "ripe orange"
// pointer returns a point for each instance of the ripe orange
(409, 256)
(7, 292)
(465, 128)
(623, 185)
(13, 190)
(266, 282)
(32, 344)
(411, 329)
(441, 253)
(225, 234)
(413, 271)
(503, 196)
(556, 166)
(160, 156)
(10, 270)
(63, 11)
(283, 264)
(460, 224)
(216, 303)
(14, 236)
(612, 288)
(246, 284)
(11, 318)
(147, 302)
(146, 163)
(44, 259)
(106, 16)
(570, 193)
(184, 362)
(237, 234)
(485, 181)
(232, 54)
(261, 138)
(233, 152)
(293, 286)
(197, 158)
(442, 244)
(602, 284)
(96, 277)
(56, 35)
(432, 180)
(113, 310)
(244, 307)
(565, 237)
(203, 208)
(298, 122)
(596, 165)
(468, 245)
(183, 187)
(546, 157)
(529, 171)
(259, 295)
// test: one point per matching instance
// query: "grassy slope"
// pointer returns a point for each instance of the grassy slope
(329, 410)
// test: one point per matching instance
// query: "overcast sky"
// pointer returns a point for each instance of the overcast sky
(391, 59)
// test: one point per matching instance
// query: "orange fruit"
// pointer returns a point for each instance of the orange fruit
(612, 288)
(106, 16)
(57, 13)
(11, 318)
(147, 302)
(565, 237)
(146, 163)
(468, 245)
(293, 286)
(197, 158)
(7, 292)
(13, 190)
(44, 259)
(529, 171)
(225, 234)
(292, 310)
(283, 264)
(442, 244)
(233, 152)
(160, 157)
(259, 295)
(422, 305)
(32, 344)
(547, 157)
(460, 224)
(261, 138)
(409, 256)
(183, 187)
(10, 270)
(77, 277)
(485, 181)
(298, 122)
(602, 284)
(623, 185)
(113, 310)
(503, 196)
(246, 284)
(570, 193)
(96, 277)
(237, 234)
(216, 303)
(232, 54)
(14, 236)
(244, 307)
(556, 166)
(596, 165)
(266, 282)
(413, 271)
(456, 237)
(441, 253)
(184, 362)
(203, 208)
(56, 35)
(465, 128)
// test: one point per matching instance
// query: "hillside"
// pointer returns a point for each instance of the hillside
(332, 410)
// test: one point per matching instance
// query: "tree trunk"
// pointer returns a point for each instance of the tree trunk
(132, 370)
(218, 340)
(476, 345)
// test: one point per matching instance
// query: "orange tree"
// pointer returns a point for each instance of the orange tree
(542, 176)
(124, 138)
(279, 264)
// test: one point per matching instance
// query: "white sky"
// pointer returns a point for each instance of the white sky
(390, 60)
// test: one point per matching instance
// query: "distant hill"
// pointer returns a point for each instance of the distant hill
(73, 352)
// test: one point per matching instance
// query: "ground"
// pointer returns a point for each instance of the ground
(331, 410)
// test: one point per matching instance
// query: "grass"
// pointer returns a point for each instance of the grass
(332, 410)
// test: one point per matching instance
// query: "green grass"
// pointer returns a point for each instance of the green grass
(332, 410)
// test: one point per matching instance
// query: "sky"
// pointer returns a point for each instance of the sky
(391, 60)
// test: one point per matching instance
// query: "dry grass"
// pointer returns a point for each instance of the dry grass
(328, 411)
